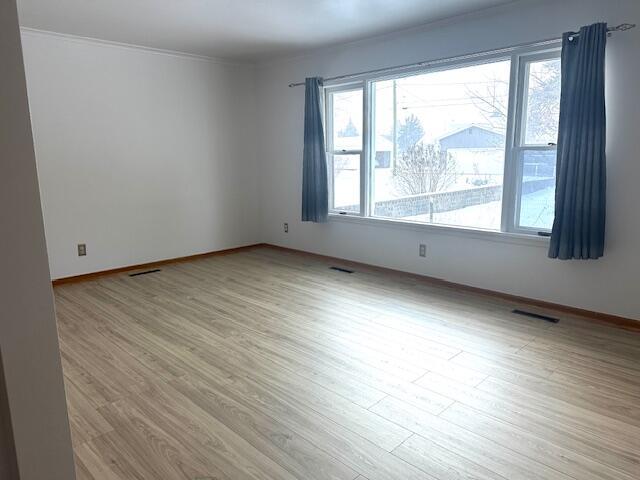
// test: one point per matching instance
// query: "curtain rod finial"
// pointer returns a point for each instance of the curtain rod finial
(624, 26)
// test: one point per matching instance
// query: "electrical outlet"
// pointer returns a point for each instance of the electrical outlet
(423, 250)
(286, 228)
(82, 249)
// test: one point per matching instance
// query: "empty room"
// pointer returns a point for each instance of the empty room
(319, 240)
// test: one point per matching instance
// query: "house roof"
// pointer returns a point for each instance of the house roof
(467, 127)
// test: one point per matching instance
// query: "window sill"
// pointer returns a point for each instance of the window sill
(486, 235)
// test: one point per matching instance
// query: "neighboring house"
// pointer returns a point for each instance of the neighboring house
(472, 136)
(383, 147)
(467, 138)
(478, 153)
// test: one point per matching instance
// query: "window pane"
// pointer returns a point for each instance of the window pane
(543, 102)
(347, 120)
(439, 146)
(346, 183)
(537, 192)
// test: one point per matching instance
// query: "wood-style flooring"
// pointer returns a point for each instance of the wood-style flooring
(266, 364)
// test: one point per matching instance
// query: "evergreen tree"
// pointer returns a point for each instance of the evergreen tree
(349, 131)
(410, 133)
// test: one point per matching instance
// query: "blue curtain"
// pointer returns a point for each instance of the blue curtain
(579, 225)
(315, 194)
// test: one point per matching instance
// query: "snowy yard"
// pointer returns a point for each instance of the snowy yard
(536, 212)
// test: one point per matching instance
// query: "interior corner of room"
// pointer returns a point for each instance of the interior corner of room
(381, 210)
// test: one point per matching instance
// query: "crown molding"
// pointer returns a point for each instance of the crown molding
(128, 46)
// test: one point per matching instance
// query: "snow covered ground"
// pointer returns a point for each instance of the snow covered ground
(536, 209)
(536, 212)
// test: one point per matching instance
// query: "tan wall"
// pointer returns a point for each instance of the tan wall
(28, 335)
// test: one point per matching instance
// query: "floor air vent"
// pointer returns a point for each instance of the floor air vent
(340, 269)
(144, 273)
(536, 315)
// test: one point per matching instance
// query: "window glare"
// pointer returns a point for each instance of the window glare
(347, 120)
(543, 102)
(346, 135)
(444, 134)
(346, 183)
(537, 193)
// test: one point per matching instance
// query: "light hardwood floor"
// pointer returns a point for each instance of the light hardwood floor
(267, 365)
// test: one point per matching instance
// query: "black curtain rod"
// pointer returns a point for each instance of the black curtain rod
(620, 28)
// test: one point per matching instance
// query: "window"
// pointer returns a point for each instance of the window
(470, 145)
(446, 131)
(535, 145)
(344, 148)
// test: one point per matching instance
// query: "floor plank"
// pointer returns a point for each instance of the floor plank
(475, 448)
(442, 462)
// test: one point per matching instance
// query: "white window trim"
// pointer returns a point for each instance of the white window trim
(331, 151)
(509, 231)
(518, 143)
(440, 229)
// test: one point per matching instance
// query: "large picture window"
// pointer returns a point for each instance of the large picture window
(467, 145)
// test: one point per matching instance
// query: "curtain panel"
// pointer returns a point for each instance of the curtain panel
(315, 195)
(579, 225)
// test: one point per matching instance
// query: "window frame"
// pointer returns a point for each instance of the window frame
(329, 91)
(520, 145)
(520, 59)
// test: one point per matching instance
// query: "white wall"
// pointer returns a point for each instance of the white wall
(607, 285)
(28, 337)
(142, 155)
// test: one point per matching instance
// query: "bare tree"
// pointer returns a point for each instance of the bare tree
(543, 101)
(490, 104)
(424, 169)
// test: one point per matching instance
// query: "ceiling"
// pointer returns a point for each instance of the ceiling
(237, 29)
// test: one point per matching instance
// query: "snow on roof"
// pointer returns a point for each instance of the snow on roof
(466, 127)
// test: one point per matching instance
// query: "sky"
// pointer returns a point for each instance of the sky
(444, 101)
